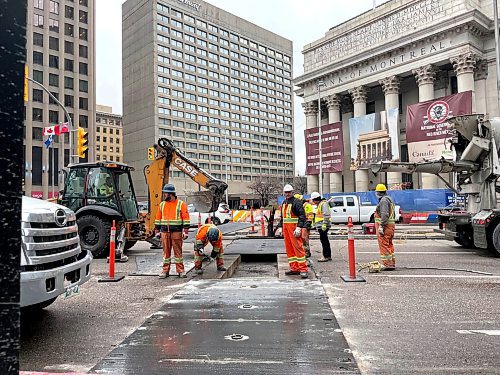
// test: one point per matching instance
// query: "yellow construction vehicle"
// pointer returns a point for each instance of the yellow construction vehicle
(102, 192)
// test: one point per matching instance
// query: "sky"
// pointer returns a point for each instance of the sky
(301, 21)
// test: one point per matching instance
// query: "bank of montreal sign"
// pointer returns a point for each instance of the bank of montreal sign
(192, 4)
(339, 79)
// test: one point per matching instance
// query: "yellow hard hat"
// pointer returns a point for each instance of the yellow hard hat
(381, 187)
(299, 196)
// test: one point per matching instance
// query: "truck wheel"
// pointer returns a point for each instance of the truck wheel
(495, 241)
(465, 239)
(94, 235)
(39, 306)
(129, 245)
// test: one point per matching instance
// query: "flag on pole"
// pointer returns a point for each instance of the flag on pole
(49, 130)
(49, 140)
(63, 128)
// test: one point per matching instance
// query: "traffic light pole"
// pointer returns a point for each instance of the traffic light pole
(70, 122)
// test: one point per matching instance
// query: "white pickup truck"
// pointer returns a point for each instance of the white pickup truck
(343, 206)
(52, 261)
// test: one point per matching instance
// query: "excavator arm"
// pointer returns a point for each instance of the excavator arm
(157, 174)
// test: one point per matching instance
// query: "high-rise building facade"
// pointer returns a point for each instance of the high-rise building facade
(217, 85)
(61, 56)
(109, 135)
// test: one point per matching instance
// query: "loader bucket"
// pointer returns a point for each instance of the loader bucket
(203, 201)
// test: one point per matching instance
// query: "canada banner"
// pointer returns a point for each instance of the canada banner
(332, 149)
(427, 128)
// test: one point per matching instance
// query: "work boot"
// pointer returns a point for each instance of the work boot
(384, 268)
(221, 268)
(290, 272)
(182, 275)
(324, 259)
(308, 254)
(199, 272)
(163, 275)
(304, 275)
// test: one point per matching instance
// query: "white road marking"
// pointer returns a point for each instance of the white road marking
(488, 332)
(445, 276)
(222, 361)
(398, 253)
(238, 320)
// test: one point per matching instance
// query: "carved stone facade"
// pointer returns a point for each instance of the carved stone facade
(391, 85)
(333, 102)
(425, 74)
(465, 63)
(481, 71)
(310, 108)
(358, 94)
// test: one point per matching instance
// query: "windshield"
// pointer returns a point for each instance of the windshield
(126, 196)
(74, 193)
(101, 187)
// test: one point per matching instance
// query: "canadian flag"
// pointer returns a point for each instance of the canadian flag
(49, 130)
(63, 128)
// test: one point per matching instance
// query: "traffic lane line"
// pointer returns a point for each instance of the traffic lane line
(487, 332)
(445, 276)
(420, 252)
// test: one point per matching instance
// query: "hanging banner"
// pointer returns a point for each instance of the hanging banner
(332, 149)
(426, 127)
(374, 138)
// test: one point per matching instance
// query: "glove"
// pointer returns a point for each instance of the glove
(185, 235)
(324, 227)
(199, 250)
(158, 235)
(297, 232)
(213, 254)
(381, 230)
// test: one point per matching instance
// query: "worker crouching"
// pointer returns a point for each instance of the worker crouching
(385, 225)
(172, 220)
(208, 233)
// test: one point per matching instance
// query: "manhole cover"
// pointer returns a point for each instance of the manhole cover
(247, 306)
(236, 337)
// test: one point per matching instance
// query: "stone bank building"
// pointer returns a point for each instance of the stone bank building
(400, 53)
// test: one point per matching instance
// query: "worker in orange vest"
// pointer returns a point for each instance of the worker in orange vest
(172, 220)
(308, 208)
(385, 225)
(208, 233)
(293, 222)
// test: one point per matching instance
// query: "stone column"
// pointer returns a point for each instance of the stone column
(464, 66)
(391, 87)
(425, 76)
(347, 112)
(333, 105)
(359, 94)
(480, 76)
(311, 112)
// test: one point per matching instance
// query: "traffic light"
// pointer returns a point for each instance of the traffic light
(151, 153)
(26, 87)
(82, 143)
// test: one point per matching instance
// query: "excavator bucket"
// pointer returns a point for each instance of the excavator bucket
(203, 201)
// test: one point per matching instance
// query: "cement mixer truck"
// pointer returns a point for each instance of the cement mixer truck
(475, 141)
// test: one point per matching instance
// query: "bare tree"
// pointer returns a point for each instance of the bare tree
(267, 188)
(299, 184)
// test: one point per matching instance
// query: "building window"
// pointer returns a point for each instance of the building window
(83, 2)
(83, 33)
(68, 83)
(68, 47)
(37, 58)
(69, 12)
(54, 7)
(53, 80)
(69, 101)
(54, 43)
(37, 114)
(84, 51)
(84, 121)
(117, 132)
(54, 25)
(83, 69)
(38, 20)
(84, 103)
(54, 61)
(98, 138)
(38, 4)
(69, 30)
(54, 117)
(84, 86)
(38, 95)
(38, 76)
(68, 65)
(83, 16)
(52, 101)
(38, 39)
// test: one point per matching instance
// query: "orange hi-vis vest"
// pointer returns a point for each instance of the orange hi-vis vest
(172, 216)
(201, 237)
(287, 214)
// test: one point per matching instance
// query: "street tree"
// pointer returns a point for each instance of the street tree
(267, 188)
(299, 184)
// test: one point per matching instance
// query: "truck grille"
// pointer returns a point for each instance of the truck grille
(55, 250)
(60, 237)
(50, 225)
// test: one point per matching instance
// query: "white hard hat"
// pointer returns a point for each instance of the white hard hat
(315, 195)
(288, 187)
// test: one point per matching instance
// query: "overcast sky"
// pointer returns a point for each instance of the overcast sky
(302, 21)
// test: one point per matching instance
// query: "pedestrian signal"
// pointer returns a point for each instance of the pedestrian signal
(82, 143)
(151, 153)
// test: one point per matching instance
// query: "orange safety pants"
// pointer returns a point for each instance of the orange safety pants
(294, 249)
(173, 240)
(385, 244)
(198, 259)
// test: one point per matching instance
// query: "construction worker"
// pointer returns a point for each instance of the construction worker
(106, 189)
(322, 223)
(208, 233)
(293, 222)
(385, 224)
(308, 208)
(172, 220)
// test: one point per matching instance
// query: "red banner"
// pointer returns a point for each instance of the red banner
(332, 149)
(427, 129)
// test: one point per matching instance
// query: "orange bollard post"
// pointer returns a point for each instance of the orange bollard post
(199, 220)
(252, 230)
(262, 225)
(112, 248)
(352, 258)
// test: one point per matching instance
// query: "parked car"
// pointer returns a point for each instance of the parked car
(343, 206)
(222, 215)
(52, 261)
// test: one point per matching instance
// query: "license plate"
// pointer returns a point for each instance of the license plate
(72, 291)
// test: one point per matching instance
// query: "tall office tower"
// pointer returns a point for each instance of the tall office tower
(109, 135)
(217, 85)
(61, 56)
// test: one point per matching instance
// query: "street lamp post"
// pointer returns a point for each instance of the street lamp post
(225, 161)
(497, 50)
(320, 175)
